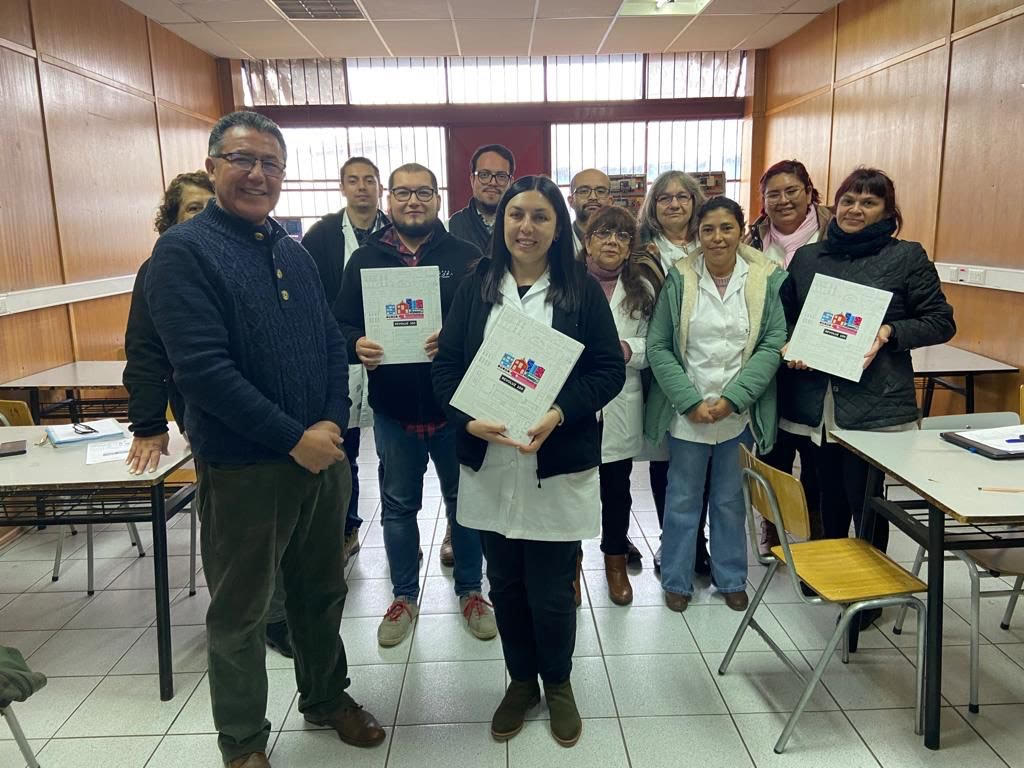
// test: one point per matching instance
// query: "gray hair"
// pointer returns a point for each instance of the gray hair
(244, 119)
(648, 226)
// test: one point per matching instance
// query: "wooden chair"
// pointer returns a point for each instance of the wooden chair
(849, 573)
(981, 563)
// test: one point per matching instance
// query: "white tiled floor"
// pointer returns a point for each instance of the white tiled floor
(645, 678)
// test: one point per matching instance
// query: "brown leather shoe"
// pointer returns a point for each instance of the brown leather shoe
(577, 593)
(252, 760)
(769, 538)
(354, 726)
(447, 551)
(736, 600)
(619, 588)
(676, 602)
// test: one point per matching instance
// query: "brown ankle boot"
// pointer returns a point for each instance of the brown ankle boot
(576, 581)
(619, 588)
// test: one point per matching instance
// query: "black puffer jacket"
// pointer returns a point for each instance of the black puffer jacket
(918, 314)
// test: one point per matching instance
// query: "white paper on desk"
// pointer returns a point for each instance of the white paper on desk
(837, 326)
(517, 373)
(99, 453)
(401, 308)
(997, 437)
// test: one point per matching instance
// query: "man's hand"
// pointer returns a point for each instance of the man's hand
(701, 414)
(370, 353)
(144, 455)
(881, 339)
(431, 344)
(491, 431)
(799, 365)
(540, 431)
(317, 449)
(720, 409)
(328, 426)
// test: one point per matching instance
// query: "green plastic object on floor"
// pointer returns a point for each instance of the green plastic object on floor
(17, 681)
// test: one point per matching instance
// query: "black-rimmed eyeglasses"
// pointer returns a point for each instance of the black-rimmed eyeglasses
(423, 194)
(486, 177)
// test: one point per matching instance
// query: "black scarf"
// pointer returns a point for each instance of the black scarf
(866, 242)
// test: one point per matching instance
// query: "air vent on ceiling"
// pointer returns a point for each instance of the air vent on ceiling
(319, 9)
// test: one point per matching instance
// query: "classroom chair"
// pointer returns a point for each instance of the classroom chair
(981, 563)
(849, 573)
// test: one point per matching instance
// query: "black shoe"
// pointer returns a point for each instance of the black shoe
(277, 638)
(633, 556)
(868, 617)
(702, 563)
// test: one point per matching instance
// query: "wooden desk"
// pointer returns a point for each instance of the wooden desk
(947, 478)
(54, 486)
(936, 362)
(98, 374)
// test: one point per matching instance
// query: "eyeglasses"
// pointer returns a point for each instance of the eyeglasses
(423, 194)
(83, 429)
(791, 193)
(584, 192)
(624, 238)
(244, 162)
(679, 197)
(486, 177)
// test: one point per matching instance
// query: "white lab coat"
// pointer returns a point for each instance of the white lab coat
(622, 436)
(360, 415)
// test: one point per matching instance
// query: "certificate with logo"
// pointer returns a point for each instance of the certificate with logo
(401, 309)
(837, 326)
(517, 373)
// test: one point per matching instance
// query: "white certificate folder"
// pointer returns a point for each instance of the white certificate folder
(517, 373)
(837, 326)
(401, 309)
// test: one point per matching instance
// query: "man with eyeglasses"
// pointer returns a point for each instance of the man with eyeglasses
(408, 423)
(589, 192)
(491, 171)
(331, 242)
(262, 367)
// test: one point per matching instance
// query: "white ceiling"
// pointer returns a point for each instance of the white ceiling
(258, 29)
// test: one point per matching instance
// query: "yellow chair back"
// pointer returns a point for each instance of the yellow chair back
(16, 413)
(788, 492)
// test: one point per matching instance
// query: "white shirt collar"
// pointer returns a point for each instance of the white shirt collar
(736, 282)
(510, 290)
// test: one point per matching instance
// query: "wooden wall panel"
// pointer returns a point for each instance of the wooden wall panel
(103, 36)
(893, 120)
(28, 230)
(106, 173)
(183, 142)
(802, 133)
(968, 12)
(184, 75)
(801, 63)
(99, 326)
(15, 22)
(34, 341)
(982, 157)
(872, 31)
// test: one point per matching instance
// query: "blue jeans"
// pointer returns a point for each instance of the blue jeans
(687, 473)
(351, 448)
(403, 461)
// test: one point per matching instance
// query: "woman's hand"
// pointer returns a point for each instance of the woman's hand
(490, 431)
(881, 339)
(370, 353)
(799, 365)
(720, 409)
(701, 414)
(430, 346)
(144, 454)
(540, 431)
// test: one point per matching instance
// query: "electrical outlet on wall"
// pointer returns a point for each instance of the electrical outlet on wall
(976, 276)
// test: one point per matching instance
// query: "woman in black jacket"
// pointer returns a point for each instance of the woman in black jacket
(533, 503)
(860, 246)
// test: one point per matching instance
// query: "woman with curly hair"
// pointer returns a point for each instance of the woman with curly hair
(186, 195)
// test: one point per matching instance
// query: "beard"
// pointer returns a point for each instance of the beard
(582, 215)
(414, 230)
(487, 208)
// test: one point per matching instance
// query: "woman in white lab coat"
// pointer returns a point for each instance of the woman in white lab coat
(630, 281)
(533, 503)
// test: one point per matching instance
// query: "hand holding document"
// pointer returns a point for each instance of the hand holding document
(516, 375)
(401, 311)
(837, 326)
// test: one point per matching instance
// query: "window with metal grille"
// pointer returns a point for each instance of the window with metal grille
(595, 78)
(419, 80)
(698, 74)
(312, 187)
(495, 79)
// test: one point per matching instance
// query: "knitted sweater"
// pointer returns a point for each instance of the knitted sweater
(254, 347)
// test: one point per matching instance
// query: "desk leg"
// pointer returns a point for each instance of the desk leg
(161, 584)
(929, 391)
(33, 405)
(71, 396)
(866, 531)
(933, 643)
(969, 392)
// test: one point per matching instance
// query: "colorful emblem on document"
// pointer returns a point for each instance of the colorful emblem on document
(840, 324)
(521, 373)
(405, 312)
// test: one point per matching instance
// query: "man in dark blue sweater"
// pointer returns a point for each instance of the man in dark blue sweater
(262, 366)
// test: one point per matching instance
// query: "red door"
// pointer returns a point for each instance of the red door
(529, 142)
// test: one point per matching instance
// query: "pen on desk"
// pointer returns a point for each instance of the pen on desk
(1001, 490)
(1018, 439)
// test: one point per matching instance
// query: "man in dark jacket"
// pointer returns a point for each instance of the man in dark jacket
(491, 171)
(409, 425)
(331, 242)
(262, 366)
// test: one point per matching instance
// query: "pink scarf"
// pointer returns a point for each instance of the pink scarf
(606, 277)
(789, 243)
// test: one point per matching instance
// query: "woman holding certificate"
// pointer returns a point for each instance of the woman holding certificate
(860, 247)
(533, 500)
(713, 345)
